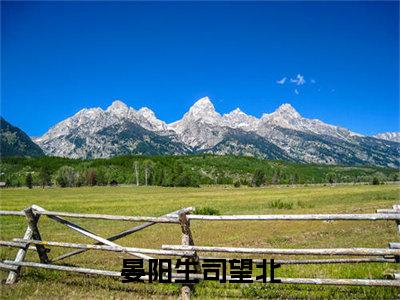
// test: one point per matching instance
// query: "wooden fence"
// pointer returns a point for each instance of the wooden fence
(32, 240)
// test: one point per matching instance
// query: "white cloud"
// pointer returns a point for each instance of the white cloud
(296, 91)
(299, 80)
(282, 81)
(313, 81)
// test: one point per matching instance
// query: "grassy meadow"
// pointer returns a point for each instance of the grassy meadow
(156, 201)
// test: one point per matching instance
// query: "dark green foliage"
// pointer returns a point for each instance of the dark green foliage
(330, 177)
(29, 180)
(395, 177)
(259, 177)
(186, 179)
(375, 181)
(15, 142)
(207, 210)
(192, 171)
(44, 177)
(236, 184)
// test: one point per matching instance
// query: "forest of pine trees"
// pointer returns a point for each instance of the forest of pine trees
(180, 171)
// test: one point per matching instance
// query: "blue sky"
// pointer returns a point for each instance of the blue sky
(59, 57)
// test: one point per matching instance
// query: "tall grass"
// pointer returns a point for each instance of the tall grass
(278, 204)
(157, 201)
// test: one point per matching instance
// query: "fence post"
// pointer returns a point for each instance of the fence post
(187, 240)
(13, 275)
(397, 208)
(32, 232)
(33, 224)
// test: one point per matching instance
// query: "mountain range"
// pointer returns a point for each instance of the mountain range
(15, 142)
(283, 134)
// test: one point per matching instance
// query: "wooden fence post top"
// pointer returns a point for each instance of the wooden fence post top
(186, 210)
(38, 208)
(33, 220)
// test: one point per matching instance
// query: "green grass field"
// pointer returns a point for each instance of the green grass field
(156, 201)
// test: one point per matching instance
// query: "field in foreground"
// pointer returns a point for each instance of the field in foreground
(155, 201)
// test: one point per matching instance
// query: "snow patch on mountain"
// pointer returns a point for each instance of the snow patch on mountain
(150, 121)
(238, 119)
(389, 136)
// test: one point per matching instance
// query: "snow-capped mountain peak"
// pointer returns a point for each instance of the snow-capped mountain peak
(203, 109)
(118, 108)
(204, 102)
(88, 113)
(196, 124)
(284, 116)
(287, 110)
(154, 123)
(147, 113)
(235, 112)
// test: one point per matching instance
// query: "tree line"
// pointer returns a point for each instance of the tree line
(180, 171)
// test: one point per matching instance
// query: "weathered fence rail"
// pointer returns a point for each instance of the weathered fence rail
(318, 261)
(390, 215)
(32, 240)
(20, 243)
(327, 251)
(309, 217)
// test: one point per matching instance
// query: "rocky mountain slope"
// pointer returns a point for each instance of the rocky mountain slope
(97, 133)
(15, 142)
(283, 134)
(389, 136)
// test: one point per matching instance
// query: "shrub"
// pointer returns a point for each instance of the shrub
(186, 180)
(66, 177)
(259, 178)
(45, 177)
(29, 180)
(207, 210)
(236, 184)
(395, 177)
(375, 181)
(278, 204)
(91, 177)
